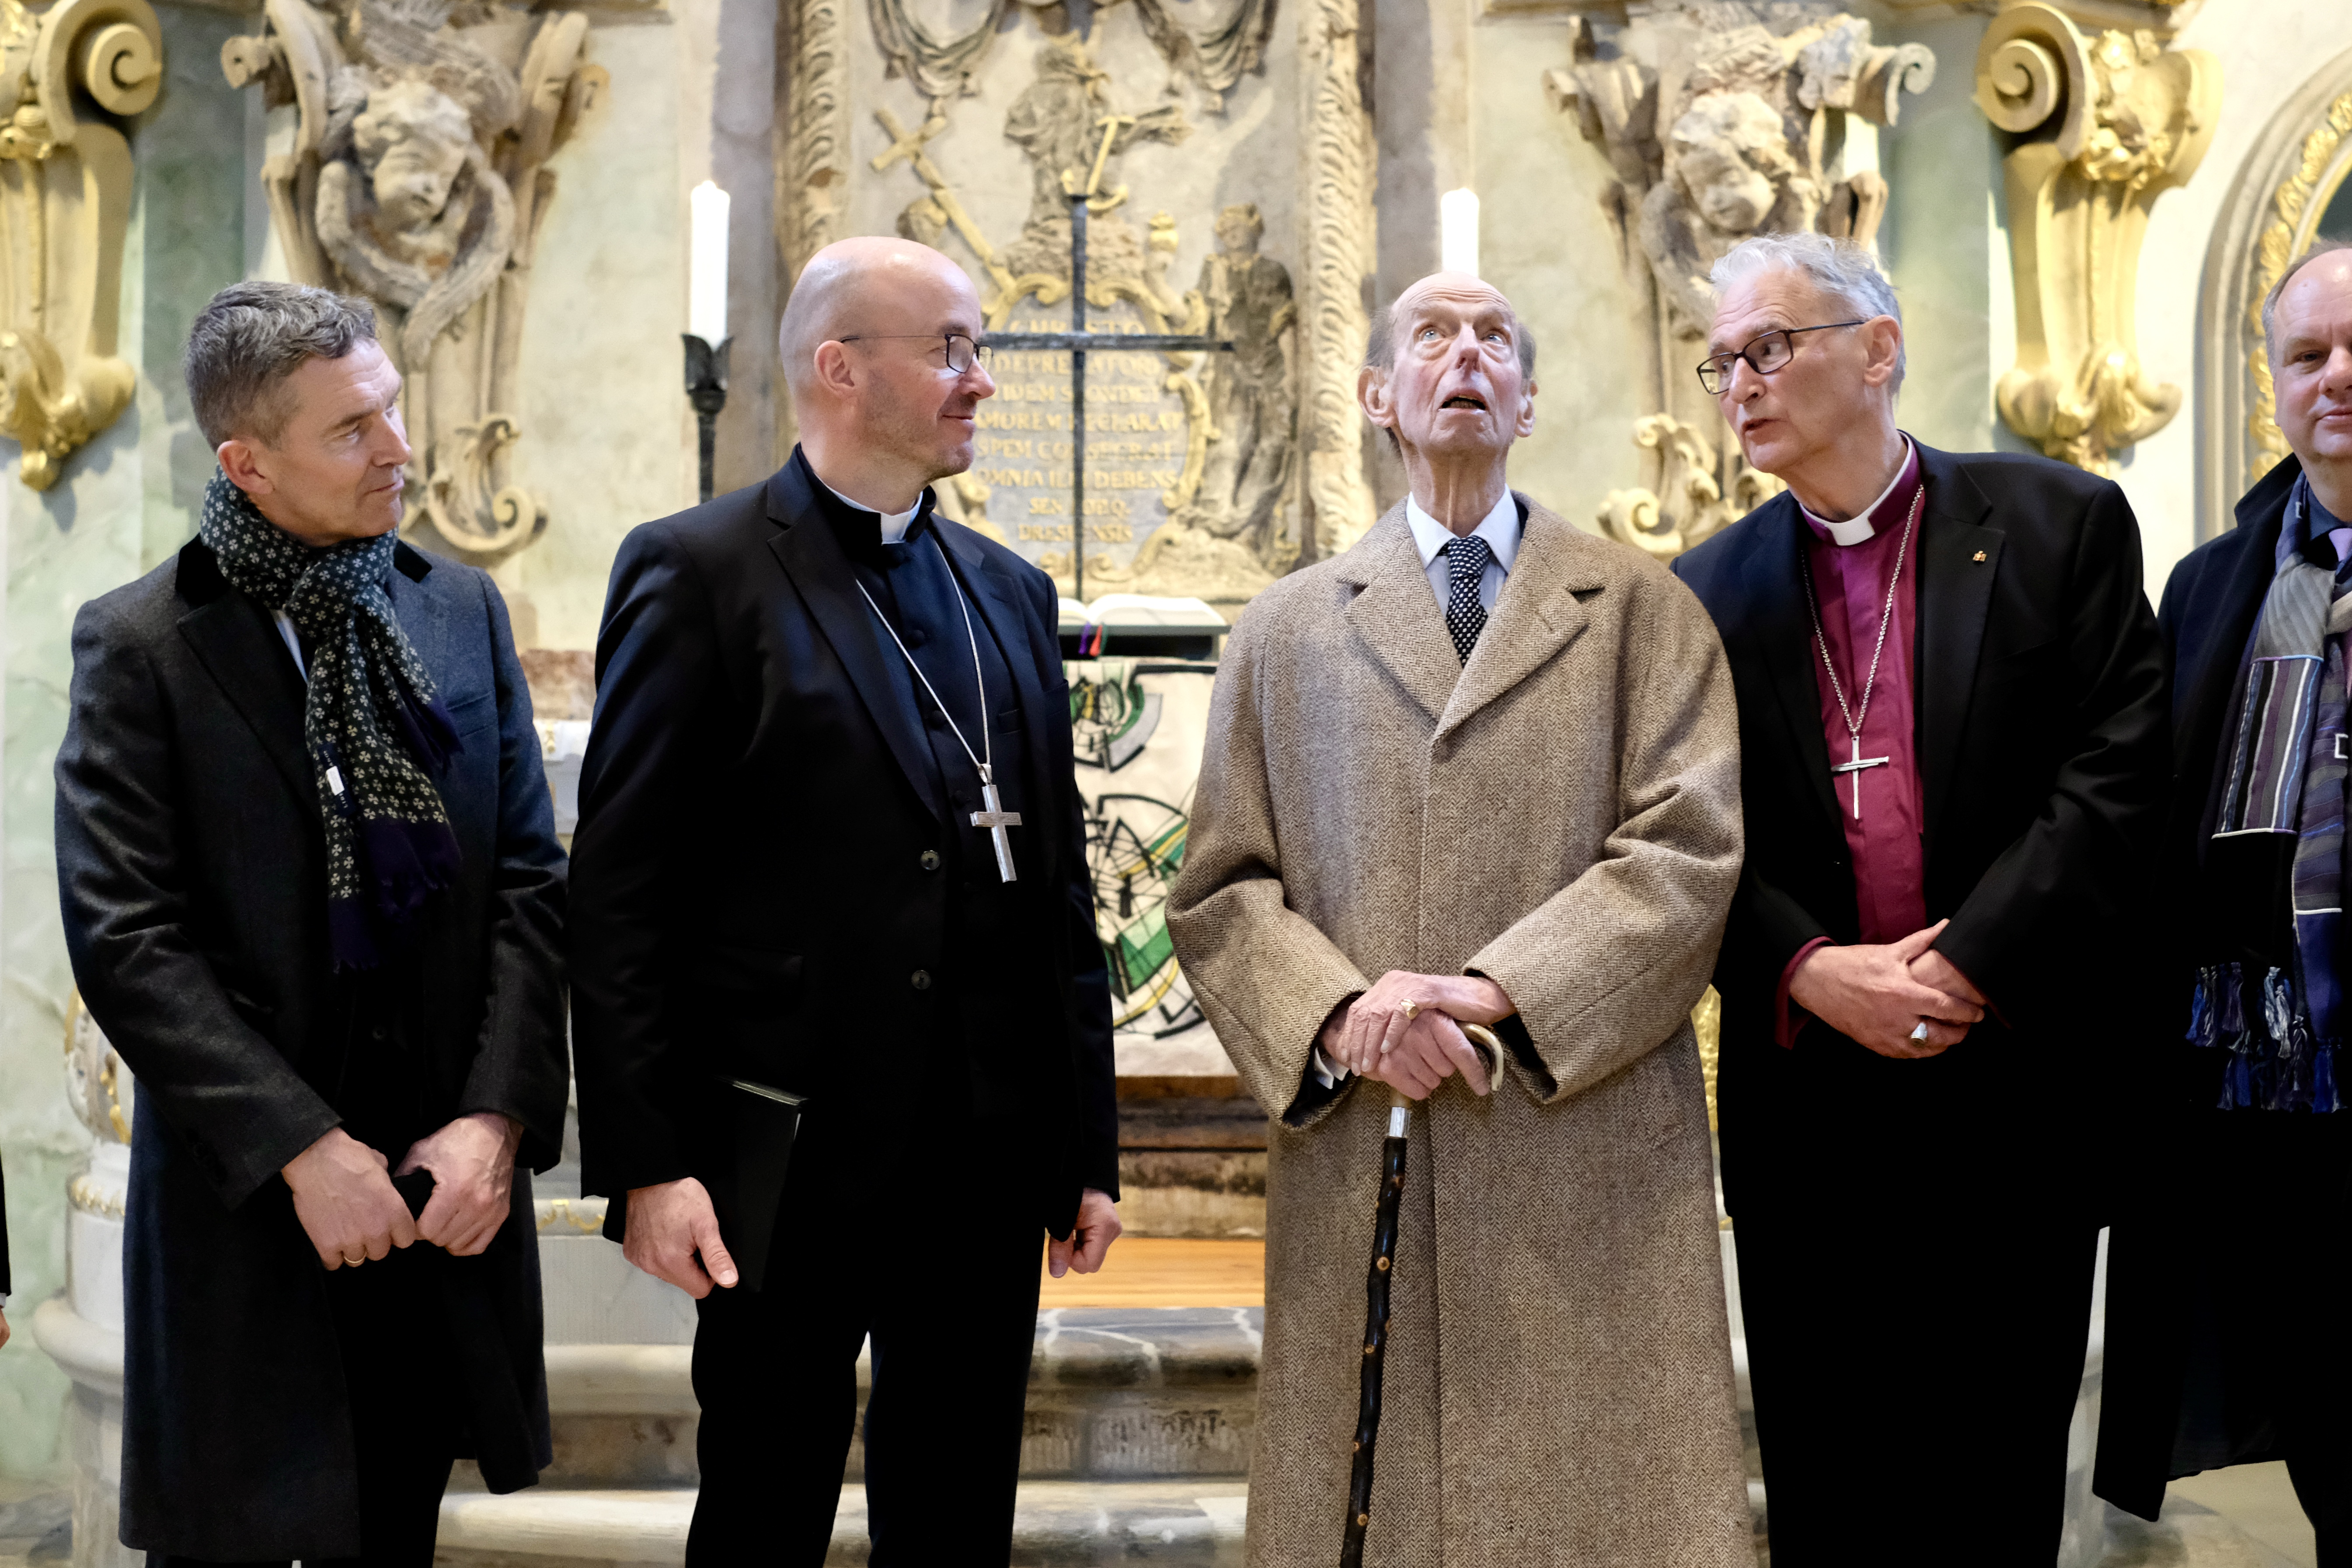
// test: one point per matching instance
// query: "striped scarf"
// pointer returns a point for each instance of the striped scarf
(371, 716)
(2286, 775)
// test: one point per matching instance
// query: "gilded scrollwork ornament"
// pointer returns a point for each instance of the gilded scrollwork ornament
(2105, 122)
(65, 203)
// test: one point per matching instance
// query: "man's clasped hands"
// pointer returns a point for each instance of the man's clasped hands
(1406, 1031)
(349, 1208)
(1879, 995)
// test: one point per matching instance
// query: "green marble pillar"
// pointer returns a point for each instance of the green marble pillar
(127, 501)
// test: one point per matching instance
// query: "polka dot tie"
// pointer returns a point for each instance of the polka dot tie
(1465, 617)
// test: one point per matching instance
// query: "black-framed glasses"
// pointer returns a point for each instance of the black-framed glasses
(961, 352)
(1764, 354)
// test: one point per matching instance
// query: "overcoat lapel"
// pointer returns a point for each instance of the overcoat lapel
(1396, 617)
(240, 648)
(1959, 560)
(1782, 638)
(812, 558)
(2206, 703)
(1536, 615)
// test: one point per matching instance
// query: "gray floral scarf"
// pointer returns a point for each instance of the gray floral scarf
(372, 721)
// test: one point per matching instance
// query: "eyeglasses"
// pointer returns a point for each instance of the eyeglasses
(1764, 355)
(963, 354)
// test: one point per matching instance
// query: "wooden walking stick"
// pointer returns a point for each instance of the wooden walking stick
(1376, 1296)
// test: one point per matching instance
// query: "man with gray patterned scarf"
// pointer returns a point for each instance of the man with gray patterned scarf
(312, 893)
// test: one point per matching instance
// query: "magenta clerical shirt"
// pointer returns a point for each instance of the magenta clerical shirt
(1851, 563)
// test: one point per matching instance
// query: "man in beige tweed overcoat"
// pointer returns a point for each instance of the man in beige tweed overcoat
(1486, 764)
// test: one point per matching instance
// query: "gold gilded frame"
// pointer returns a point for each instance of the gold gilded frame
(2298, 202)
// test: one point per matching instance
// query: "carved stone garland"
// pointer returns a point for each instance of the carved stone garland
(417, 177)
(64, 206)
(2108, 123)
(1340, 179)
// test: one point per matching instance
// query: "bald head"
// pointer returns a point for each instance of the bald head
(882, 409)
(870, 285)
(2310, 320)
(1381, 354)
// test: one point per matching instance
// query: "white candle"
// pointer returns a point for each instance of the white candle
(705, 310)
(1457, 217)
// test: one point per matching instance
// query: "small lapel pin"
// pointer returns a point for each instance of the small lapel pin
(1978, 558)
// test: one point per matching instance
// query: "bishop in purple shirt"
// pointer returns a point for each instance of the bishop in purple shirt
(1953, 763)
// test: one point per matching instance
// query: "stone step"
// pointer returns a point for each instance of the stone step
(1182, 1524)
(1115, 1393)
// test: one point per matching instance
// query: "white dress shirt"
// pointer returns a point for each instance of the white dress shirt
(1499, 529)
(894, 523)
(293, 640)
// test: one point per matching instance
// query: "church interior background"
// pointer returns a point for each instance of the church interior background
(2081, 202)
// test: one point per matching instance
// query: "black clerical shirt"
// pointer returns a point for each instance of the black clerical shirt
(985, 984)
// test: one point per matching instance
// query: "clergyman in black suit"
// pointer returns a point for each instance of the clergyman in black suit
(313, 895)
(780, 891)
(1951, 715)
(2226, 1286)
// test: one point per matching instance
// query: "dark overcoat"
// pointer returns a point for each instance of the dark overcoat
(2171, 1394)
(742, 679)
(193, 870)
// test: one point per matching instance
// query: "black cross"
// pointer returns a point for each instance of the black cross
(1078, 341)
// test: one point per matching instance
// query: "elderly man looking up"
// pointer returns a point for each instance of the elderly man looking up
(830, 859)
(2238, 1248)
(1951, 706)
(1482, 769)
(312, 893)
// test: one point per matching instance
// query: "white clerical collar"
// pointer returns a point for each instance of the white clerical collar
(1861, 528)
(894, 523)
(1499, 529)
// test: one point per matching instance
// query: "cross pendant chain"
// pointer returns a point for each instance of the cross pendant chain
(992, 817)
(1855, 720)
(1855, 767)
(996, 819)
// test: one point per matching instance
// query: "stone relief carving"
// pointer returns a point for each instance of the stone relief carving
(1213, 57)
(1740, 128)
(1333, 319)
(2107, 122)
(1251, 397)
(65, 199)
(417, 177)
(1239, 417)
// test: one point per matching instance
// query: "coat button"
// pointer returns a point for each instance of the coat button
(922, 980)
(931, 860)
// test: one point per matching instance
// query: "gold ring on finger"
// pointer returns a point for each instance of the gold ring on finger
(1411, 1009)
(354, 1262)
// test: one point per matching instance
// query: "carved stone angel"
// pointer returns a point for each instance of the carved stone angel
(417, 179)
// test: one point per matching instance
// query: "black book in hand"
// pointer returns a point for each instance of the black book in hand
(765, 1121)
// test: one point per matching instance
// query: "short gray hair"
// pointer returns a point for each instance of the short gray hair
(2271, 299)
(1843, 270)
(250, 339)
(1379, 349)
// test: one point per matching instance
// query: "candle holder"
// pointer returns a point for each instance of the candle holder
(705, 388)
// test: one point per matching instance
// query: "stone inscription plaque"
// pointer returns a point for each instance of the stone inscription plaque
(1136, 437)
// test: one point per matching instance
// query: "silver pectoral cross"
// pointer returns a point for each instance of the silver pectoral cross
(996, 819)
(1853, 767)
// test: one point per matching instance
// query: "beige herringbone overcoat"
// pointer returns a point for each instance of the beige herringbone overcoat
(1562, 814)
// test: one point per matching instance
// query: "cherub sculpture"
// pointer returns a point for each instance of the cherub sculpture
(419, 181)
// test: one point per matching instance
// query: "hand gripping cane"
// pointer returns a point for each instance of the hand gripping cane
(1376, 1299)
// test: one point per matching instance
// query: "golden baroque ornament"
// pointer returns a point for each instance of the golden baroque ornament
(70, 75)
(2103, 124)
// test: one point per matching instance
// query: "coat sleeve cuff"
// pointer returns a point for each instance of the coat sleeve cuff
(1789, 1020)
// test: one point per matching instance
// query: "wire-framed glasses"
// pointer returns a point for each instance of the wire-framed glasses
(961, 352)
(1764, 354)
